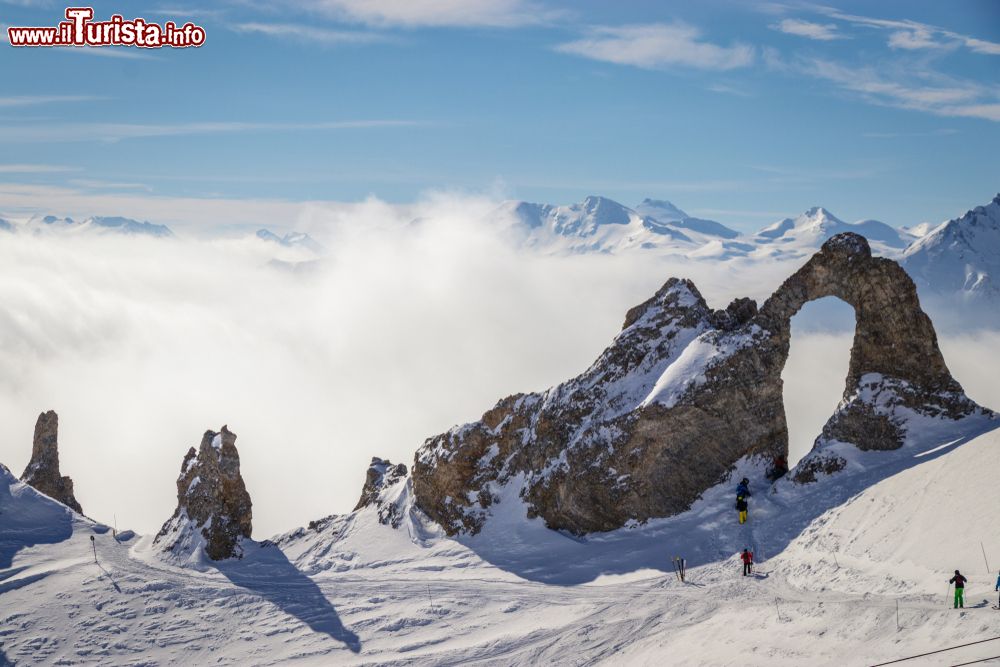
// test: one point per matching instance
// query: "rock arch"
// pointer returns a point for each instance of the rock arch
(895, 345)
(683, 394)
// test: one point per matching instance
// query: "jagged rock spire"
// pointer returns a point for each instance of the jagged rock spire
(43, 470)
(214, 511)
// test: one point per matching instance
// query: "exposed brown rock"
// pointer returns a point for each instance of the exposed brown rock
(212, 501)
(684, 393)
(43, 470)
(381, 476)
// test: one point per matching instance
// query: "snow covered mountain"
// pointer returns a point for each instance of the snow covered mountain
(664, 211)
(816, 225)
(51, 224)
(960, 258)
(291, 240)
(598, 224)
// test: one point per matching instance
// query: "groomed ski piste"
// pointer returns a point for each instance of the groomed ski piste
(852, 570)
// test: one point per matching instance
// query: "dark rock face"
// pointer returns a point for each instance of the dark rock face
(682, 394)
(43, 470)
(213, 506)
(381, 477)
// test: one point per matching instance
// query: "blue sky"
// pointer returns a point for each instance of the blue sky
(740, 112)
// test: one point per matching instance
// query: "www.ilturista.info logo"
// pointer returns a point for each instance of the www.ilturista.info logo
(81, 30)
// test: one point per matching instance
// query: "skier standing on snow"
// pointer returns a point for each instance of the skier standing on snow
(959, 582)
(742, 492)
(747, 558)
(742, 507)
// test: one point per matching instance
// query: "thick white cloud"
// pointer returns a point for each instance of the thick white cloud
(658, 46)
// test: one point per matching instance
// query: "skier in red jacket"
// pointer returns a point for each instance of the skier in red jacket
(747, 558)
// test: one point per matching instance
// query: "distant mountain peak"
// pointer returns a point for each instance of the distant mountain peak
(290, 240)
(661, 209)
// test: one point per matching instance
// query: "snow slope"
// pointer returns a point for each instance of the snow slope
(836, 556)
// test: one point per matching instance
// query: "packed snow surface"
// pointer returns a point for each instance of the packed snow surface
(834, 559)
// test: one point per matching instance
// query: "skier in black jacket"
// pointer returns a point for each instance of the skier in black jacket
(959, 582)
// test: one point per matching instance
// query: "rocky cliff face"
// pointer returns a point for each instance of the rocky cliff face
(43, 469)
(213, 506)
(381, 491)
(682, 394)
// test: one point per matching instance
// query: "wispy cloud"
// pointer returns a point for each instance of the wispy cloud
(96, 184)
(944, 97)
(823, 32)
(310, 34)
(120, 52)
(658, 46)
(432, 13)
(121, 131)
(34, 100)
(941, 132)
(728, 89)
(35, 168)
(913, 35)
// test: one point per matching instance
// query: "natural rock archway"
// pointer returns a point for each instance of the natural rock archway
(684, 393)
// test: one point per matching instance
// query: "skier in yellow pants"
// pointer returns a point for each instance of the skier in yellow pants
(741, 507)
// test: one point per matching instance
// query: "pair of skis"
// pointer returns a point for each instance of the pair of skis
(680, 568)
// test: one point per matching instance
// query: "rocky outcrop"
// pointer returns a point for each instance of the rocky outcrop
(43, 470)
(213, 507)
(378, 491)
(683, 394)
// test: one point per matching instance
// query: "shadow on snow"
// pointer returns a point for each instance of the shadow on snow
(28, 518)
(265, 571)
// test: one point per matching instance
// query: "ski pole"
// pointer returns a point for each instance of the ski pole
(988, 570)
(93, 543)
(897, 614)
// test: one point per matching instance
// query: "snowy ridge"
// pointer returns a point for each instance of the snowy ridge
(698, 358)
(99, 225)
(960, 257)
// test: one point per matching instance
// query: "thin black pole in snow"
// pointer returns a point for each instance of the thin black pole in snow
(93, 543)
(776, 608)
(988, 570)
(897, 614)
(835, 559)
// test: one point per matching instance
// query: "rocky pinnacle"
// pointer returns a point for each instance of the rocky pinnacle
(213, 506)
(43, 470)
